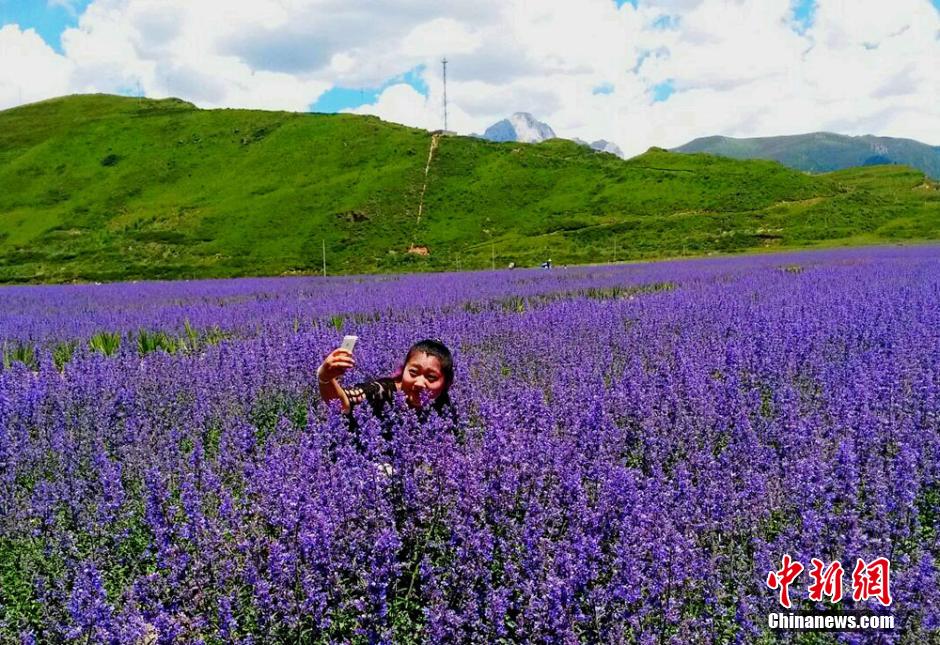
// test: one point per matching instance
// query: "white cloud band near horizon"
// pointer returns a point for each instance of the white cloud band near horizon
(660, 73)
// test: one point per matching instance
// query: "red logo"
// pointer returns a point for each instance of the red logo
(869, 580)
(826, 582)
(783, 578)
(872, 581)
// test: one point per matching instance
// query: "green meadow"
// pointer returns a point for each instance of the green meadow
(101, 187)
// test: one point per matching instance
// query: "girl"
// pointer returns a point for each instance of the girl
(424, 378)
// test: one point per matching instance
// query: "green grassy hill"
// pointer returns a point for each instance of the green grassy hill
(824, 151)
(111, 188)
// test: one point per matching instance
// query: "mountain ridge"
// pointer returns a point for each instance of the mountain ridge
(823, 151)
(99, 187)
(520, 127)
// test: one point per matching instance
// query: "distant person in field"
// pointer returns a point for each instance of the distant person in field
(424, 378)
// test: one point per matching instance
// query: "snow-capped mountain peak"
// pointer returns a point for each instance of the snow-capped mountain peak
(601, 145)
(522, 127)
(525, 128)
(607, 146)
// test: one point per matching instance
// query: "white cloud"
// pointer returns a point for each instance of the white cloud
(174, 48)
(431, 38)
(68, 5)
(739, 67)
(30, 70)
(401, 103)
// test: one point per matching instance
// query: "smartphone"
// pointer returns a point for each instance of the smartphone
(349, 342)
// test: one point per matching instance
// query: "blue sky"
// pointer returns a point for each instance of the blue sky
(626, 76)
(803, 6)
(663, 91)
(49, 19)
(340, 98)
(802, 11)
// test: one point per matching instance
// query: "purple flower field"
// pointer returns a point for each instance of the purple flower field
(637, 447)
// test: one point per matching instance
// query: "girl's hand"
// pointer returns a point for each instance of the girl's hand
(335, 365)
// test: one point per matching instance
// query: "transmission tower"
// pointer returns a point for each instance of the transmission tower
(444, 64)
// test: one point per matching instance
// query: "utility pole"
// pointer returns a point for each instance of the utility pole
(444, 64)
(324, 257)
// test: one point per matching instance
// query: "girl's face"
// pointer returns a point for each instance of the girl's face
(422, 376)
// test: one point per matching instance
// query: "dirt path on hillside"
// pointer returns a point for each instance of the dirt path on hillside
(435, 140)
